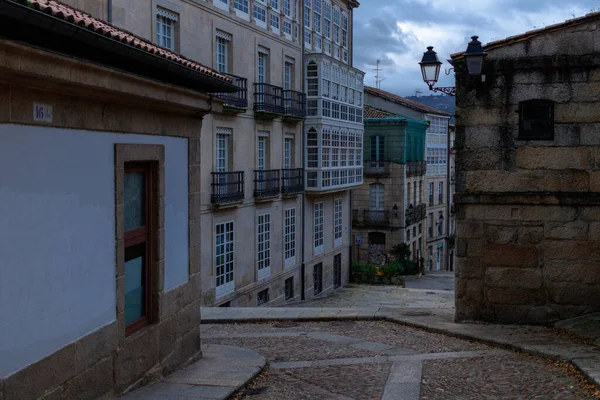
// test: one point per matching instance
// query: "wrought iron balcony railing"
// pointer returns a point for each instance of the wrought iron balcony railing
(268, 99)
(227, 187)
(266, 183)
(239, 99)
(294, 104)
(415, 168)
(376, 218)
(415, 214)
(377, 168)
(292, 181)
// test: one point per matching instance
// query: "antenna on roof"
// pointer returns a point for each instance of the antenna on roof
(378, 80)
(418, 93)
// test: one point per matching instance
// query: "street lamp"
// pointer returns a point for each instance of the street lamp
(431, 65)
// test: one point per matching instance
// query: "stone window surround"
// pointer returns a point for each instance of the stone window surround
(155, 155)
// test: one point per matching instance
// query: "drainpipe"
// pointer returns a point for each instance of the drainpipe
(303, 267)
(110, 7)
(448, 201)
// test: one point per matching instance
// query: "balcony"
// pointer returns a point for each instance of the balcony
(266, 183)
(332, 180)
(227, 187)
(236, 102)
(268, 100)
(292, 181)
(416, 168)
(294, 105)
(415, 214)
(376, 218)
(377, 169)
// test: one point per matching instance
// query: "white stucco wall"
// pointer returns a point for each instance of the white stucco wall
(57, 228)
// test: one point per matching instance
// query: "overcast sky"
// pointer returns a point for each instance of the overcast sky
(397, 32)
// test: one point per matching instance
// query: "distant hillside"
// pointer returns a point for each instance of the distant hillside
(441, 102)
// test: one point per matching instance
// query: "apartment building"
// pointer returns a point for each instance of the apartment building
(333, 134)
(436, 183)
(388, 209)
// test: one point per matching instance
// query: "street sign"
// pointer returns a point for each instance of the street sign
(358, 240)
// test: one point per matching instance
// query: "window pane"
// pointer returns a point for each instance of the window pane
(135, 276)
(135, 200)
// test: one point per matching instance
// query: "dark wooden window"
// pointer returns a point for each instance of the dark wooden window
(337, 271)
(289, 288)
(137, 234)
(536, 120)
(318, 278)
(263, 297)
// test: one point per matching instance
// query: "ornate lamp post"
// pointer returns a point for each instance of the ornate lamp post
(431, 65)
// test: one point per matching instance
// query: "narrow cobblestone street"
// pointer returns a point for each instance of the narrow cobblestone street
(384, 360)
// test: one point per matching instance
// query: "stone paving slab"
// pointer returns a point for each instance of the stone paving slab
(220, 372)
(532, 340)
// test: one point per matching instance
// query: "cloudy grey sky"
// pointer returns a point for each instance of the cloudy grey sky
(397, 32)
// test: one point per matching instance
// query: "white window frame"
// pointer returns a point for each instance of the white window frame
(260, 11)
(222, 52)
(318, 227)
(166, 19)
(222, 143)
(376, 197)
(262, 60)
(289, 231)
(263, 245)
(239, 6)
(287, 28)
(338, 207)
(275, 17)
(222, 4)
(261, 151)
(288, 145)
(225, 258)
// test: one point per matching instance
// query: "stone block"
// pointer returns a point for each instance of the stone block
(574, 230)
(566, 181)
(513, 296)
(575, 294)
(167, 336)
(595, 182)
(135, 358)
(55, 394)
(93, 383)
(188, 318)
(584, 272)
(554, 158)
(33, 381)
(514, 278)
(594, 231)
(504, 181)
(190, 344)
(507, 232)
(173, 361)
(480, 137)
(572, 250)
(475, 247)
(170, 303)
(510, 255)
(578, 113)
(482, 159)
(531, 235)
(96, 346)
(548, 213)
(192, 290)
(469, 268)
(515, 314)
(589, 214)
(469, 229)
(590, 135)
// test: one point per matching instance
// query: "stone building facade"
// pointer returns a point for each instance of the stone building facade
(436, 185)
(388, 208)
(527, 183)
(99, 150)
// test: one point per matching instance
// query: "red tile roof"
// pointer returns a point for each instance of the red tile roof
(536, 32)
(404, 102)
(74, 16)
(372, 112)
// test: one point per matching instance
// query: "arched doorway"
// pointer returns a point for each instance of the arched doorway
(377, 248)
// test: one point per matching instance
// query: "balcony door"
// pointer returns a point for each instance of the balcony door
(376, 203)
(377, 151)
(222, 161)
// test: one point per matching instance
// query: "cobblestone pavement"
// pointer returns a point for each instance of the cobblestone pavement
(384, 360)
(354, 295)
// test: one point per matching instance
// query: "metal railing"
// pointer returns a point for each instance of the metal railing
(415, 214)
(266, 183)
(377, 168)
(376, 218)
(238, 99)
(227, 187)
(268, 98)
(294, 104)
(415, 168)
(292, 181)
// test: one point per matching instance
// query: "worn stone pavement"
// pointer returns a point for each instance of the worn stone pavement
(331, 349)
